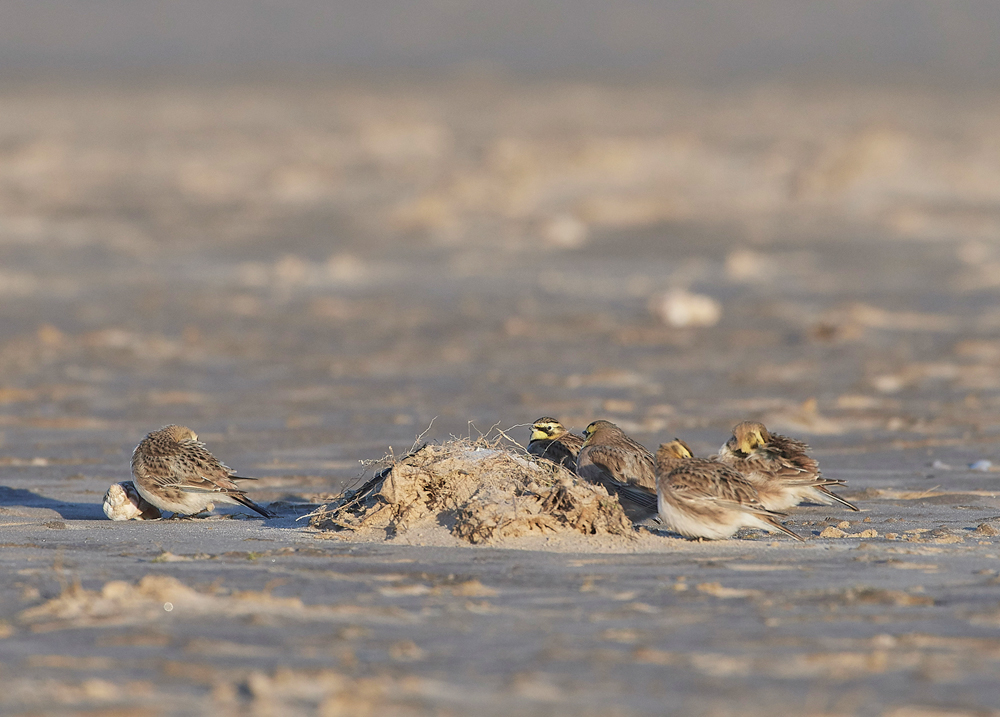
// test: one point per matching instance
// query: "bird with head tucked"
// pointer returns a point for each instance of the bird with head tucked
(703, 498)
(779, 468)
(173, 471)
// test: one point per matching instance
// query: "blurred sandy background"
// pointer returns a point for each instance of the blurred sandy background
(347, 220)
(714, 40)
(310, 230)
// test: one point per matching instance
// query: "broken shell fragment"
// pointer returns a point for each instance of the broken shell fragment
(123, 502)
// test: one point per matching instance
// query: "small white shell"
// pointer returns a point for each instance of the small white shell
(123, 502)
(682, 309)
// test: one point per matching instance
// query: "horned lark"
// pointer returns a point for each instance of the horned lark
(778, 467)
(123, 502)
(672, 455)
(550, 439)
(175, 472)
(613, 459)
(703, 498)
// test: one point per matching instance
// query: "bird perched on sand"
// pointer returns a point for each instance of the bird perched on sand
(551, 440)
(778, 467)
(613, 459)
(703, 498)
(175, 472)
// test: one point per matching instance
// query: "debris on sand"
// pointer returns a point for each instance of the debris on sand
(480, 491)
(119, 602)
(123, 502)
(682, 309)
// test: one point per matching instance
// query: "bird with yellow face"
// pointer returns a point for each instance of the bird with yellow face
(705, 499)
(779, 468)
(552, 440)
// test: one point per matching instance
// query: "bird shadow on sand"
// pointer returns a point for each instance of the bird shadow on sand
(21, 503)
(18, 502)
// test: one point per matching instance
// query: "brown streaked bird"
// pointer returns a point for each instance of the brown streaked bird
(175, 472)
(551, 440)
(779, 467)
(613, 459)
(671, 455)
(703, 498)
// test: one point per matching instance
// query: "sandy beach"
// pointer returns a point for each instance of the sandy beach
(313, 273)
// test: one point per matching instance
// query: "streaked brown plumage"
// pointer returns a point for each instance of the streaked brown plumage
(174, 471)
(703, 498)
(613, 459)
(551, 440)
(779, 467)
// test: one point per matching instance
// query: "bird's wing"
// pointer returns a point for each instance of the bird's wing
(793, 453)
(771, 464)
(197, 470)
(639, 495)
(700, 480)
(553, 450)
(625, 466)
(592, 464)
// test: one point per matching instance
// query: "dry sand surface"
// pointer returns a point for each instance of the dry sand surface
(310, 274)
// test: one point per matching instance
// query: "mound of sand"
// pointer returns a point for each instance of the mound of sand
(481, 492)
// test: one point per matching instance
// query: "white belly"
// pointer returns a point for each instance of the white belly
(187, 504)
(693, 526)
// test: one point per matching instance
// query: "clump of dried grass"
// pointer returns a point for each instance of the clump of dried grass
(481, 490)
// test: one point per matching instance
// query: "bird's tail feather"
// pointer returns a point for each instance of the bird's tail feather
(243, 500)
